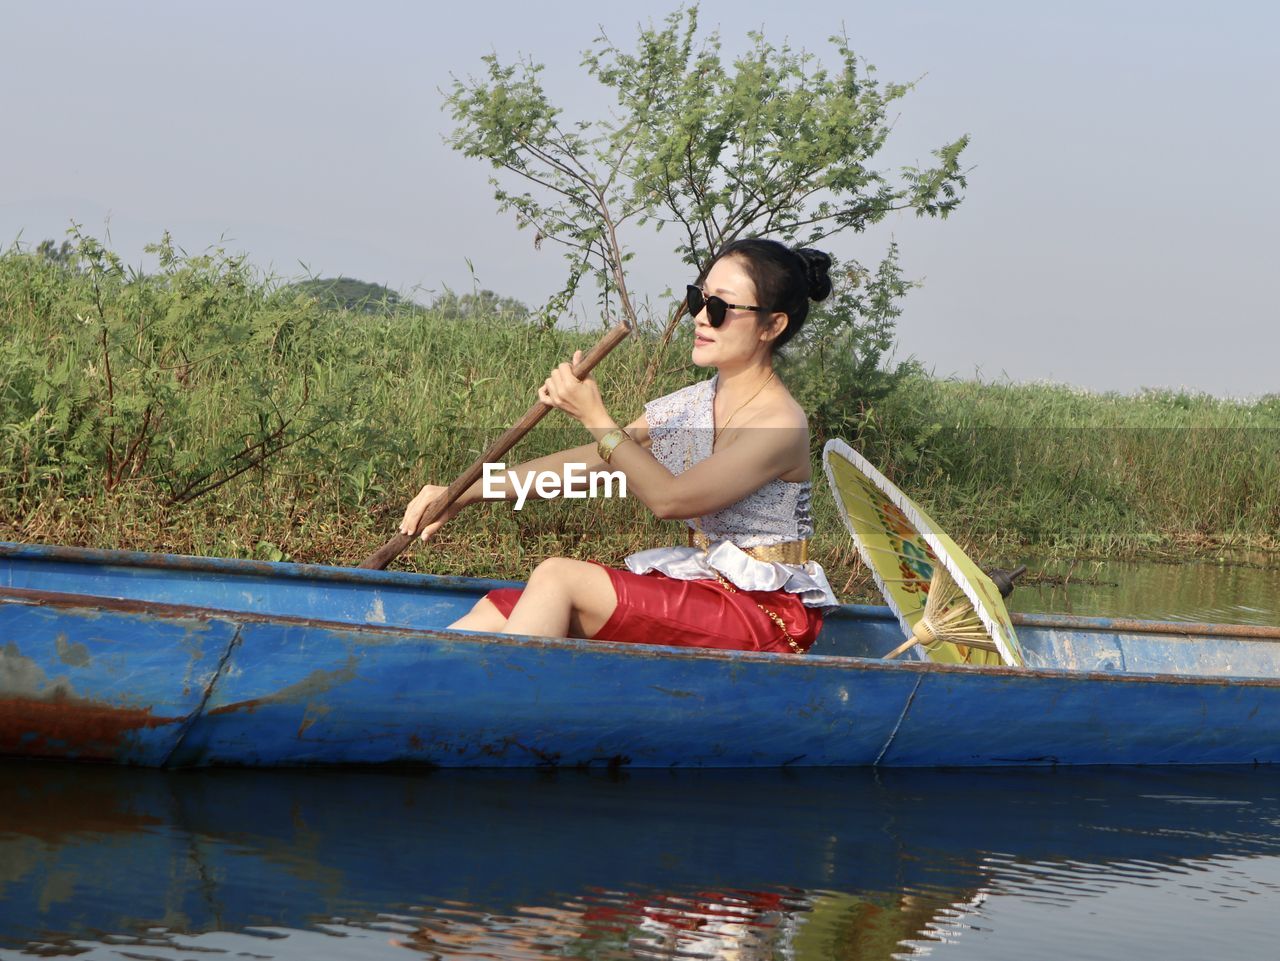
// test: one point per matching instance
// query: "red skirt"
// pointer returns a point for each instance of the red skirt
(656, 609)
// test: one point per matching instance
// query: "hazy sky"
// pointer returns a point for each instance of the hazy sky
(1119, 230)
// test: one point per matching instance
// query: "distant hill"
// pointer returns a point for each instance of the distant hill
(347, 293)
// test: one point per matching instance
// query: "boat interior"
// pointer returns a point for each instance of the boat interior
(181, 586)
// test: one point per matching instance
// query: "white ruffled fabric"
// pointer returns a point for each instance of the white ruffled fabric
(682, 428)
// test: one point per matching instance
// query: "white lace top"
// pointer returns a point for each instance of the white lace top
(682, 429)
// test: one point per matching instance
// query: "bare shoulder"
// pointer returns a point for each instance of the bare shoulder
(778, 410)
(785, 412)
(785, 441)
(791, 425)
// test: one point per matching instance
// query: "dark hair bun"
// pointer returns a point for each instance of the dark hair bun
(817, 272)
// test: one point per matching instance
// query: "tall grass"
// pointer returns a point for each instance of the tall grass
(203, 409)
(1054, 467)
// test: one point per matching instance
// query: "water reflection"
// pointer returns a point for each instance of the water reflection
(750, 865)
(1238, 589)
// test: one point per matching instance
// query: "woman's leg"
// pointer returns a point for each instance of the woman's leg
(483, 617)
(564, 598)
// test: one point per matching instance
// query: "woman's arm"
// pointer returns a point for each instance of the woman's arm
(503, 485)
(507, 483)
(769, 448)
(758, 455)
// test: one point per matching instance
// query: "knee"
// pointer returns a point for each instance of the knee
(555, 570)
(483, 616)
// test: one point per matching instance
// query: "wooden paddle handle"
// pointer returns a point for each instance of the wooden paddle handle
(393, 548)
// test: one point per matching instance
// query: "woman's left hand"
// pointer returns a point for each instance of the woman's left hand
(580, 399)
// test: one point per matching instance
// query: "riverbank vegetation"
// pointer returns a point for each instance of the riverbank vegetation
(202, 409)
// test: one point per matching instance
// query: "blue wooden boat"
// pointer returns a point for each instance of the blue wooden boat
(168, 661)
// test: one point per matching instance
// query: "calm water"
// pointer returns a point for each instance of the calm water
(1179, 865)
(1115, 863)
(1244, 589)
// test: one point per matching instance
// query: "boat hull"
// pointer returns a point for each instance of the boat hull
(282, 666)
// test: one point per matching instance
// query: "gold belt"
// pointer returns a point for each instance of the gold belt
(788, 552)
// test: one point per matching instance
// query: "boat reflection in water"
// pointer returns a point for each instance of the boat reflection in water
(807, 864)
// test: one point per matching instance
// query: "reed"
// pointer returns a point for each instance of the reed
(207, 410)
(1055, 467)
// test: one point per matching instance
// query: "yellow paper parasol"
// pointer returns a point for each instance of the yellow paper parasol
(903, 547)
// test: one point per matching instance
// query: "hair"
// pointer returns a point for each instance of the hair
(785, 278)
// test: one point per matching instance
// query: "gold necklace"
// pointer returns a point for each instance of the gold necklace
(716, 434)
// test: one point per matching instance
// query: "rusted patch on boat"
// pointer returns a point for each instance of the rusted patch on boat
(501, 747)
(316, 683)
(314, 713)
(67, 726)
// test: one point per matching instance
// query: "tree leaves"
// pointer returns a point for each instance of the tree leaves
(777, 142)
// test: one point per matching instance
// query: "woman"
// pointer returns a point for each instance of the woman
(745, 581)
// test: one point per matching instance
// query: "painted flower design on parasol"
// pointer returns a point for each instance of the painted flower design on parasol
(908, 554)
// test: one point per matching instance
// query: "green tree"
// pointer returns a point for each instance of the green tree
(483, 305)
(774, 143)
(63, 256)
(347, 293)
(836, 366)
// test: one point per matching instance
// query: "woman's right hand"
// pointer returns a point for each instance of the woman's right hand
(418, 507)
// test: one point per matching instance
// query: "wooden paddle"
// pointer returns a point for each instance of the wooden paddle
(392, 549)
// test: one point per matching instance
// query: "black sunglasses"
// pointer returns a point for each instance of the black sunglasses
(715, 306)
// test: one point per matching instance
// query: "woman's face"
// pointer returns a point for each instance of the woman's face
(741, 337)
